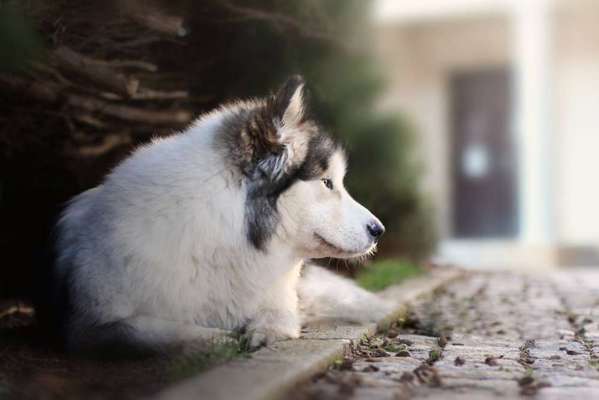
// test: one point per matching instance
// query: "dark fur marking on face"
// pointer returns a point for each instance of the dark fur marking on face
(320, 150)
(262, 215)
(251, 140)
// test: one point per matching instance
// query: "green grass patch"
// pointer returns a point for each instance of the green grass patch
(189, 365)
(434, 356)
(385, 273)
(4, 391)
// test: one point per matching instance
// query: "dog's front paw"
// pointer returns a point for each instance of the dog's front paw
(266, 331)
(257, 339)
(265, 337)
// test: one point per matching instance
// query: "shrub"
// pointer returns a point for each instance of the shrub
(382, 274)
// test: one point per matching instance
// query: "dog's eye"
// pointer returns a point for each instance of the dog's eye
(328, 183)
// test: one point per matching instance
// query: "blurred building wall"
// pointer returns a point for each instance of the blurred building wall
(420, 58)
(577, 120)
(422, 46)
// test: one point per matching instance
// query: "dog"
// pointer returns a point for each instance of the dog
(211, 231)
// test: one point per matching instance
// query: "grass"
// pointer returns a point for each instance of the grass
(385, 273)
(4, 391)
(187, 366)
(434, 356)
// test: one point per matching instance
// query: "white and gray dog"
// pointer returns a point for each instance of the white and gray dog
(206, 233)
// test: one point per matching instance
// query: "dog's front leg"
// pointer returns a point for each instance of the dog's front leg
(277, 318)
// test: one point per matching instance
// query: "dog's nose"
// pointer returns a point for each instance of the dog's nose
(375, 229)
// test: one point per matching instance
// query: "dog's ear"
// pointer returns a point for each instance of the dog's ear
(282, 143)
(287, 105)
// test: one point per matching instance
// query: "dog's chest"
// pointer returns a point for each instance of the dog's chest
(225, 295)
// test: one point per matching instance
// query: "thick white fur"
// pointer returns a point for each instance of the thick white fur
(158, 252)
(328, 296)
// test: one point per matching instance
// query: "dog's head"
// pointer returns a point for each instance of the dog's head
(293, 177)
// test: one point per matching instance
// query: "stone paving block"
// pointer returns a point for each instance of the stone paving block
(561, 380)
(592, 334)
(568, 393)
(565, 370)
(461, 389)
(367, 393)
(566, 334)
(505, 370)
(292, 349)
(481, 352)
(420, 340)
(375, 380)
(420, 353)
(342, 331)
(477, 339)
(567, 351)
(392, 367)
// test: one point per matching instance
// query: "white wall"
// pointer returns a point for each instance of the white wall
(577, 102)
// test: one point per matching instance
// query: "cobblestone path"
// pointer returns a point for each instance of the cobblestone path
(486, 336)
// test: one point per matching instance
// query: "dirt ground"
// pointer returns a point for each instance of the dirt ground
(30, 369)
(489, 336)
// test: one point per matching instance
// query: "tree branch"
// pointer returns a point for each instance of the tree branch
(149, 94)
(153, 18)
(108, 143)
(141, 65)
(95, 71)
(152, 117)
(53, 93)
(281, 21)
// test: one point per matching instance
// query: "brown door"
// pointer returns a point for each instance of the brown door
(484, 157)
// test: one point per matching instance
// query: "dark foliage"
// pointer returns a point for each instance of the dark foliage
(82, 82)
